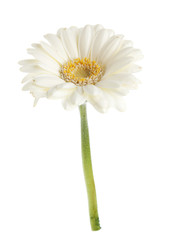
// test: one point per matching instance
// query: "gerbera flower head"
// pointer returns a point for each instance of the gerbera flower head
(82, 64)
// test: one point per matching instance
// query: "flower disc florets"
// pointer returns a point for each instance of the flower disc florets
(81, 72)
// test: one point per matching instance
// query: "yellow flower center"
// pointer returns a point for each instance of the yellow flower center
(81, 72)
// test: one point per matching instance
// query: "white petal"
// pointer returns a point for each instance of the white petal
(36, 101)
(69, 39)
(118, 78)
(37, 95)
(31, 76)
(32, 69)
(96, 97)
(57, 45)
(27, 86)
(118, 102)
(127, 43)
(122, 91)
(28, 62)
(135, 53)
(92, 90)
(61, 90)
(28, 77)
(67, 104)
(85, 39)
(45, 61)
(121, 83)
(97, 27)
(132, 68)
(77, 98)
(100, 39)
(99, 102)
(123, 53)
(52, 53)
(36, 91)
(47, 80)
(31, 66)
(117, 66)
(59, 31)
(108, 84)
(73, 100)
(109, 49)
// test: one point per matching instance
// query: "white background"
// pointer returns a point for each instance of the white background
(42, 190)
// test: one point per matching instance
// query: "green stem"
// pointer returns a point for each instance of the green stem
(88, 172)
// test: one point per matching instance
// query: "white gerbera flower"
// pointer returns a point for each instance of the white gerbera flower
(82, 64)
